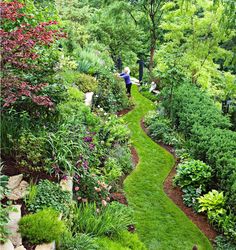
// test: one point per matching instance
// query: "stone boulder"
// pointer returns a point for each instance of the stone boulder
(20, 248)
(88, 98)
(14, 181)
(12, 226)
(18, 192)
(7, 246)
(50, 246)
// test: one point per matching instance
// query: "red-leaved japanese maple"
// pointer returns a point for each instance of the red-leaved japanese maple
(18, 53)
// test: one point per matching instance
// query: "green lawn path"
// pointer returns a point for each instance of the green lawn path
(160, 223)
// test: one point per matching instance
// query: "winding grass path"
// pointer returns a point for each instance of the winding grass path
(160, 223)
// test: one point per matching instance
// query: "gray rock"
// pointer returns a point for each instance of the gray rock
(19, 192)
(88, 98)
(7, 246)
(50, 246)
(14, 181)
(14, 218)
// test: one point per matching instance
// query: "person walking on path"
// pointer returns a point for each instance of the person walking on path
(126, 76)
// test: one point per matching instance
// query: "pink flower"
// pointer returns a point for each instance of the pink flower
(104, 203)
(97, 189)
(84, 200)
(108, 198)
(76, 188)
(79, 198)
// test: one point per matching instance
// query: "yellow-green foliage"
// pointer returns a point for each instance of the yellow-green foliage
(86, 83)
(75, 94)
(42, 227)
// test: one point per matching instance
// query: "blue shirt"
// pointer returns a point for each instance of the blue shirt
(126, 78)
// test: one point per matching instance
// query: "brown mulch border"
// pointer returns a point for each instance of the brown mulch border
(175, 194)
(124, 111)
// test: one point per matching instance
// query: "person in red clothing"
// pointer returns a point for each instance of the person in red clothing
(126, 76)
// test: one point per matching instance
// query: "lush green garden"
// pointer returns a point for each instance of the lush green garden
(69, 172)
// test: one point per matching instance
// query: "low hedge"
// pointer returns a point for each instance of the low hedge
(207, 132)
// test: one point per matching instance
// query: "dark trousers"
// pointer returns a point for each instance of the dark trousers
(128, 88)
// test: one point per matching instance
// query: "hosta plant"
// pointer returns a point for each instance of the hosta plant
(212, 201)
(193, 173)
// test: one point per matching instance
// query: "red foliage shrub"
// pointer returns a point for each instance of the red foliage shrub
(18, 52)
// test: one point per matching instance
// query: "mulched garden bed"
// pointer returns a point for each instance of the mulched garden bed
(124, 111)
(11, 168)
(175, 194)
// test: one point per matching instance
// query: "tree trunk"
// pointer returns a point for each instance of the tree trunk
(152, 52)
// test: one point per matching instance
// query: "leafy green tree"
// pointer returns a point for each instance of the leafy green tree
(152, 12)
(114, 27)
(192, 39)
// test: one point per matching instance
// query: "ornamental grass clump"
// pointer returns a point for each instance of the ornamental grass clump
(110, 220)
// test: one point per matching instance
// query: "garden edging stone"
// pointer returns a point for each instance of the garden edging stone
(20, 248)
(14, 218)
(19, 191)
(88, 98)
(7, 245)
(49, 246)
(14, 181)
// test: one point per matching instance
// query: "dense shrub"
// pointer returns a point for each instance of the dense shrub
(12, 123)
(223, 243)
(122, 154)
(193, 173)
(47, 194)
(191, 106)
(218, 148)
(42, 227)
(32, 151)
(113, 131)
(92, 60)
(111, 94)
(195, 114)
(85, 83)
(23, 52)
(160, 129)
(213, 203)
